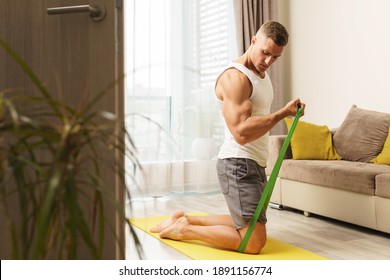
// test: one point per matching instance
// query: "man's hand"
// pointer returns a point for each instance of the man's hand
(292, 107)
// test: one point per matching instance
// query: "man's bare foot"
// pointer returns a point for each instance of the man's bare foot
(175, 231)
(167, 223)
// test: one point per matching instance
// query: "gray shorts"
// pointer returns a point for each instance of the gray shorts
(242, 182)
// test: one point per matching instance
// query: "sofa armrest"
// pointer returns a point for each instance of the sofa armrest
(274, 146)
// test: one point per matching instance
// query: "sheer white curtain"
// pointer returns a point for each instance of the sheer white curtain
(174, 51)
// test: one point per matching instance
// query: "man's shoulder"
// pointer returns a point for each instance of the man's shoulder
(233, 75)
(234, 84)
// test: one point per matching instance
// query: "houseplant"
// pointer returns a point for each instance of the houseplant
(52, 158)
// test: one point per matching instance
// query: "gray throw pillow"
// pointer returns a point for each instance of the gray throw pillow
(362, 134)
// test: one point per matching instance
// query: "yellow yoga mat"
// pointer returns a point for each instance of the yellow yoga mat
(273, 250)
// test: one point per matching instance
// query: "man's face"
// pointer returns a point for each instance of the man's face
(264, 52)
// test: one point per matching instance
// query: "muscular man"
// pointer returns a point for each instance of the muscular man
(244, 92)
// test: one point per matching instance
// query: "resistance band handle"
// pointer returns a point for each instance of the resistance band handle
(264, 200)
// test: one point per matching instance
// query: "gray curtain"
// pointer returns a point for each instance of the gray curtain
(250, 15)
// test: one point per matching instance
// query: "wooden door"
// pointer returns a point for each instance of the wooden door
(72, 54)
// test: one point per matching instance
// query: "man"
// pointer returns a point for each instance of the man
(245, 94)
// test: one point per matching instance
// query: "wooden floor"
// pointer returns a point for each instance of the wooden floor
(326, 237)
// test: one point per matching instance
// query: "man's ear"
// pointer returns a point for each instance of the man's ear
(253, 39)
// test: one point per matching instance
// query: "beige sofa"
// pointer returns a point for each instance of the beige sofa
(351, 188)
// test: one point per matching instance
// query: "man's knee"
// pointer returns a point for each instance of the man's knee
(257, 239)
(254, 247)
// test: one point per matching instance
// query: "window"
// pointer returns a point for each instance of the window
(175, 50)
(211, 37)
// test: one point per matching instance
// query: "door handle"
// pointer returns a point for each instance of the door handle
(97, 13)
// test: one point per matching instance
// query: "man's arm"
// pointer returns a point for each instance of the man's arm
(234, 89)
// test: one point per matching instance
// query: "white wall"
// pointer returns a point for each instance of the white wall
(338, 55)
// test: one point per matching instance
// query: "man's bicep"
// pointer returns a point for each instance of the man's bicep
(235, 91)
(236, 111)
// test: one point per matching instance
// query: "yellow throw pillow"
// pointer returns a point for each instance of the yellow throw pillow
(384, 156)
(311, 141)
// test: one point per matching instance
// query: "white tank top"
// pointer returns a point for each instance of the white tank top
(261, 97)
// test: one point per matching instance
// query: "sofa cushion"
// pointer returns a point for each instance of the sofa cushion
(311, 141)
(383, 185)
(362, 134)
(384, 156)
(350, 176)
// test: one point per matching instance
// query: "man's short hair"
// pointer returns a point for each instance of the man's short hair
(275, 31)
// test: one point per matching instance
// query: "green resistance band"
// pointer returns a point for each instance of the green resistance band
(264, 200)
